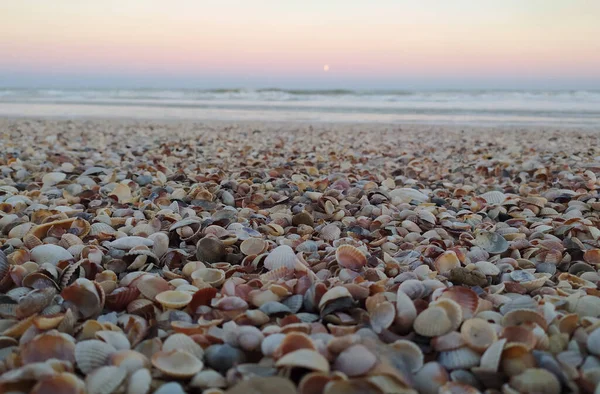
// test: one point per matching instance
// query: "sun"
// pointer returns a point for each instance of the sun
(326, 67)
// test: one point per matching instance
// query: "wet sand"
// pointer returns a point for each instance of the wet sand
(146, 256)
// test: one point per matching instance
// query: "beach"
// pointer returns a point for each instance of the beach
(298, 256)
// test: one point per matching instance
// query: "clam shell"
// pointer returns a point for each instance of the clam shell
(212, 276)
(116, 339)
(173, 299)
(64, 383)
(104, 380)
(272, 384)
(52, 254)
(130, 242)
(490, 359)
(478, 334)
(410, 353)
(445, 262)
(466, 298)
(432, 322)
(491, 242)
(382, 316)
(210, 250)
(520, 316)
(536, 380)
(208, 379)
(177, 363)
(92, 354)
(129, 360)
(304, 358)
(354, 361)
(183, 342)
(139, 382)
(462, 358)
(350, 257)
(253, 246)
(51, 345)
(430, 378)
(281, 256)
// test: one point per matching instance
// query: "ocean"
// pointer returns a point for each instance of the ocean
(573, 108)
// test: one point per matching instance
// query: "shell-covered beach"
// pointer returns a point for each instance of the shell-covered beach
(178, 257)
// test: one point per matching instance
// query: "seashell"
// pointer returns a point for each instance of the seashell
(121, 297)
(406, 313)
(350, 257)
(490, 242)
(253, 246)
(330, 232)
(430, 378)
(433, 322)
(354, 361)
(51, 254)
(50, 345)
(494, 197)
(130, 242)
(519, 316)
(208, 379)
(592, 256)
(478, 334)
(104, 380)
(141, 307)
(273, 307)
(593, 342)
(407, 195)
(52, 178)
(150, 286)
(174, 299)
(462, 358)
(382, 316)
(281, 256)
(271, 384)
(410, 353)
(177, 363)
(65, 382)
(222, 357)
(116, 339)
(84, 294)
(210, 250)
(414, 288)
(516, 357)
(465, 297)
(92, 354)
(212, 276)
(139, 382)
(304, 358)
(536, 380)
(445, 262)
(294, 302)
(130, 360)
(490, 359)
(183, 342)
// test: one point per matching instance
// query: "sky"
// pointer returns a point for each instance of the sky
(290, 44)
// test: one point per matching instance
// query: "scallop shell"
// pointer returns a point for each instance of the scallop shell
(520, 316)
(432, 322)
(177, 363)
(51, 345)
(516, 357)
(304, 358)
(462, 358)
(173, 299)
(104, 380)
(493, 197)
(350, 257)
(410, 353)
(183, 342)
(116, 339)
(130, 360)
(139, 382)
(281, 256)
(354, 361)
(92, 354)
(430, 378)
(465, 297)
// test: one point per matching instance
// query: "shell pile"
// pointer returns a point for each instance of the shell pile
(168, 258)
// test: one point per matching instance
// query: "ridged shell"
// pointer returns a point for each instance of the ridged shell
(432, 322)
(536, 380)
(350, 257)
(104, 380)
(465, 297)
(52, 254)
(183, 342)
(354, 361)
(92, 354)
(478, 334)
(139, 382)
(116, 339)
(281, 256)
(462, 358)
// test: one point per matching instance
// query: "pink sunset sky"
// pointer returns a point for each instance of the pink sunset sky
(288, 43)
